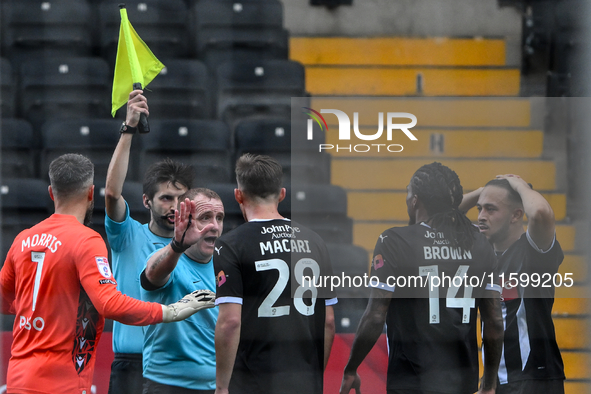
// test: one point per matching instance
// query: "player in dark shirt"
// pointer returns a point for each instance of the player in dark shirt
(433, 277)
(531, 361)
(274, 330)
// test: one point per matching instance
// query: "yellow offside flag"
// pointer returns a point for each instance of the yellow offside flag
(135, 63)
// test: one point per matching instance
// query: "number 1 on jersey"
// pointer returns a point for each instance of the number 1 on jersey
(37, 257)
(466, 303)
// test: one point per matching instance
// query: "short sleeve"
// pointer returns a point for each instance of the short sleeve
(382, 265)
(226, 266)
(119, 234)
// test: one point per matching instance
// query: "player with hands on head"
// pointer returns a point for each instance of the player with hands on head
(57, 280)
(531, 361)
(132, 242)
(181, 358)
(432, 340)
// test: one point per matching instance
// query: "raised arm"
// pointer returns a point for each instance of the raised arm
(368, 332)
(114, 202)
(492, 338)
(540, 216)
(161, 264)
(469, 200)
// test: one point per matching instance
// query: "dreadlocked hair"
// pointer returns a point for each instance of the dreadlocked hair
(438, 188)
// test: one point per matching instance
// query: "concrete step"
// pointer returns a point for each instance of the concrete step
(440, 143)
(405, 81)
(381, 174)
(491, 113)
(403, 51)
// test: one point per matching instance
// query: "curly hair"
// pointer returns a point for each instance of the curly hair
(438, 188)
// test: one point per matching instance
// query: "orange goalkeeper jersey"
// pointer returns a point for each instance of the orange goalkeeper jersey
(57, 280)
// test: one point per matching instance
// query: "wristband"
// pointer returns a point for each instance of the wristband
(177, 247)
(125, 129)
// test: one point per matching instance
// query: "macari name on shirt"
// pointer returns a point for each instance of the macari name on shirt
(285, 245)
(45, 240)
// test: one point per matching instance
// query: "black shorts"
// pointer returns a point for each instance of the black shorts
(552, 386)
(151, 387)
(126, 374)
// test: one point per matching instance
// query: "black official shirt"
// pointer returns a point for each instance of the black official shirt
(260, 265)
(530, 350)
(432, 329)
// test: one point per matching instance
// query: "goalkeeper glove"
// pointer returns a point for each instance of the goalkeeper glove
(188, 305)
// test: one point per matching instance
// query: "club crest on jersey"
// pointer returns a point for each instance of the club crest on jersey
(378, 261)
(221, 278)
(103, 267)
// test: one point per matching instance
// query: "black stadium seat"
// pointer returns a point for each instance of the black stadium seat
(94, 138)
(262, 88)
(323, 208)
(59, 88)
(46, 28)
(18, 146)
(24, 202)
(205, 144)
(181, 90)
(228, 30)
(7, 89)
(161, 24)
(301, 161)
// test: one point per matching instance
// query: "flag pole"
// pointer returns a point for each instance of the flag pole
(136, 76)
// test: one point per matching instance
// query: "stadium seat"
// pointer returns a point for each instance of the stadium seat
(205, 144)
(59, 88)
(18, 146)
(259, 89)
(94, 138)
(349, 261)
(42, 28)
(24, 202)
(301, 161)
(227, 30)
(181, 90)
(323, 208)
(7, 89)
(161, 24)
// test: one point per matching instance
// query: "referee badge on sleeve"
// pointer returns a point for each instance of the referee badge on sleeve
(103, 266)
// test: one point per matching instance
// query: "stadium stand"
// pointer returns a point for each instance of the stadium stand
(53, 88)
(25, 202)
(205, 144)
(262, 88)
(248, 85)
(41, 28)
(18, 160)
(7, 89)
(161, 23)
(182, 90)
(238, 31)
(272, 136)
(94, 138)
(323, 208)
